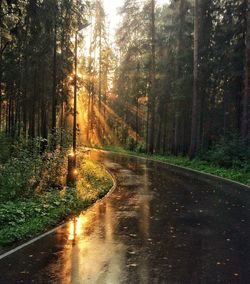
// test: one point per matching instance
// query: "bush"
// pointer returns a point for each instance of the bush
(53, 170)
(141, 147)
(230, 151)
(28, 170)
(131, 144)
(19, 176)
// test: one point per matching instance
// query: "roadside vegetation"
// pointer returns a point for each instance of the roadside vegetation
(33, 195)
(229, 158)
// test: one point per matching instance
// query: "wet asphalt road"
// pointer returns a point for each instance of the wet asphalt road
(161, 225)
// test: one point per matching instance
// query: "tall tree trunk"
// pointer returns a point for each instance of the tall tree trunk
(0, 66)
(159, 135)
(75, 96)
(245, 101)
(177, 132)
(1, 105)
(24, 117)
(62, 125)
(54, 102)
(147, 125)
(9, 111)
(92, 113)
(43, 126)
(32, 104)
(43, 115)
(100, 83)
(196, 101)
(137, 122)
(88, 118)
(226, 102)
(24, 109)
(152, 91)
(164, 143)
(24, 84)
(6, 116)
(90, 88)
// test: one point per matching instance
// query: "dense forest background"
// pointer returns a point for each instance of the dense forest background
(176, 80)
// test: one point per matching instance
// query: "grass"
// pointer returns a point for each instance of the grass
(238, 174)
(25, 218)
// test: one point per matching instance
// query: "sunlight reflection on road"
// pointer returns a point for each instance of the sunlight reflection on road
(162, 224)
(95, 253)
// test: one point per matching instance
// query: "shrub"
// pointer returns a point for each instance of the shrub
(230, 151)
(131, 144)
(27, 170)
(53, 170)
(19, 176)
(140, 147)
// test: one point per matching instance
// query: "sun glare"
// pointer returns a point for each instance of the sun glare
(76, 227)
(111, 8)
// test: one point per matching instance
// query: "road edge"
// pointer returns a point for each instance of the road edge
(178, 167)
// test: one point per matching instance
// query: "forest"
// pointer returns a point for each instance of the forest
(172, 81)
(143, 102)
(175, 80)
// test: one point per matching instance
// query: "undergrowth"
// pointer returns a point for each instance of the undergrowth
(25, 217)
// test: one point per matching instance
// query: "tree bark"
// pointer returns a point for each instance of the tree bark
(32, 104)
(0, 66)
(177, 130)
(0, 89)
(245, 100)
(195, 101)
(54, 102)
(75, 95)
(99, 128)
(152, 91)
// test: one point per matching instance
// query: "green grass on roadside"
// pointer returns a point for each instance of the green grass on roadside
(241, 175)
(22, 219)
(236, 174)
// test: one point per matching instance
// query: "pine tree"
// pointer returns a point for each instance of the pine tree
(245, 102)
(196, 100)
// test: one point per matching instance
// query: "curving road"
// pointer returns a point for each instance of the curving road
(162, 224)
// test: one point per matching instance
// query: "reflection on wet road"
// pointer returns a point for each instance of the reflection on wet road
(161, 225)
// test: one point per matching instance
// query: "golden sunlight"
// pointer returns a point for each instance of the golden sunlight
(76, 227)
(111, 8)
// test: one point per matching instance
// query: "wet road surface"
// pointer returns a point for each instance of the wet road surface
(161, 225)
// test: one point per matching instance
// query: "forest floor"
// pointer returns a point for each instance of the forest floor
(23, 218)
(238, 174)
